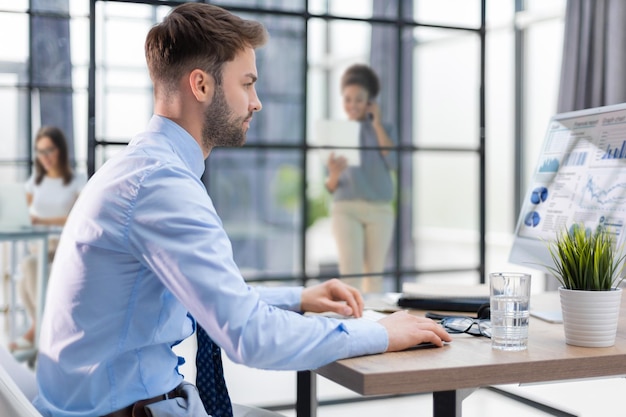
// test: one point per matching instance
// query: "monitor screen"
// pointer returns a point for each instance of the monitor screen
(580, 178)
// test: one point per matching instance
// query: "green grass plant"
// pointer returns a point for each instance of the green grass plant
(585, 260)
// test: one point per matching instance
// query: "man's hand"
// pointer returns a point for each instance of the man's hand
(332, 295)
(406, 330)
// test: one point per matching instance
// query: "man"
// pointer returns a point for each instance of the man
(143, 250)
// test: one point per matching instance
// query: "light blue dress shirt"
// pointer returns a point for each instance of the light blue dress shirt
(142, 249)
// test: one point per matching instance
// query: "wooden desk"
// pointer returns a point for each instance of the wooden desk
(469, 362)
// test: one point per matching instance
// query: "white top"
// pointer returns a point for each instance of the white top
(51, 198)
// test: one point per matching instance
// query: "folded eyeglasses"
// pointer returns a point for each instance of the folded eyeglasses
(476, 326)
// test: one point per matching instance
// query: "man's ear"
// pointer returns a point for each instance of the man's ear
(202, 85)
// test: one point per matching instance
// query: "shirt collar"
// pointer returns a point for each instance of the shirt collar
(181, 142)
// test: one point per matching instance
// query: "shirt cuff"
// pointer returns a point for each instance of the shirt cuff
(367, 337)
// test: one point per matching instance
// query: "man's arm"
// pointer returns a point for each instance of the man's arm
(403, 330)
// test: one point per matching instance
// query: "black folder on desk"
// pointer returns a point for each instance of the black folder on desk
(443, 297)
(443, 304)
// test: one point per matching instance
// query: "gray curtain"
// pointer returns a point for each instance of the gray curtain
(594, 55)
(52, 65)
(384, 55)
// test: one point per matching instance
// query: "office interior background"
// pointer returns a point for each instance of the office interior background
(468, 87)
(466, 130)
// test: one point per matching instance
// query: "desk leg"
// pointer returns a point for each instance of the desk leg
(449, 403)
(306, 394)
(13, 296)
(42, 285)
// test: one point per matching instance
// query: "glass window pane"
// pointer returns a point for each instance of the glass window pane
(362, 9)
(464, 13)
(121, 42)
(499, 16)
(15, 27)
(283, 5)
(544, 5)
(14, 5)
(114, 122)
(321, 248)
(500, 130)
(79, 38)
(281, 81)
(79, 8)
(124, 10)
(13, 107)
(352, 235)
(106, 152)
(80, 99)
(451, 278)
(545, 45)
(446, 88)
(446, 209)
(328, 59)
(258, 196)
(127, 78)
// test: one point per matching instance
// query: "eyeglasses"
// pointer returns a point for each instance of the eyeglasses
(45, 151)
(475, 327)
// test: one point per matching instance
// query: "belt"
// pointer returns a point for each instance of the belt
(137, 409)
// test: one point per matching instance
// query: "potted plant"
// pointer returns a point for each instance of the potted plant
(589, 268)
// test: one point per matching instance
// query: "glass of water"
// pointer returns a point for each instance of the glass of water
(509, 303)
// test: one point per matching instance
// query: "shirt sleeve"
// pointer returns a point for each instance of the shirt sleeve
(287, 298)
(175, 231)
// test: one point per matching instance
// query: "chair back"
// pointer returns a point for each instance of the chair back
(17, 388)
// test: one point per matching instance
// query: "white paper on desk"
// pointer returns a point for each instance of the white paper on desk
(418, 290)
(339, 133)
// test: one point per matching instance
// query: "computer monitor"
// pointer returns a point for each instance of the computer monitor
(580, 178)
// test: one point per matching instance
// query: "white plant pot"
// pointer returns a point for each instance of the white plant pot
(590, 317)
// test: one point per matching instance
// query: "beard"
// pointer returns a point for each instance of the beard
(221, 126)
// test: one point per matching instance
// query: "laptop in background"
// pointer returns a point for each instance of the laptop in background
(13, 208)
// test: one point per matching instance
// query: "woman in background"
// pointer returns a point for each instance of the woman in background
(50, 192)
(362, 214)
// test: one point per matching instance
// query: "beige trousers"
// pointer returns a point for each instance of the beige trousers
(363, 231)
(27, 286)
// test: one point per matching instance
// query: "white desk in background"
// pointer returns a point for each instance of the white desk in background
(13, 236)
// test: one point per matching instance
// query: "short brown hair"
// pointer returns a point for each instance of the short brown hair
(361, 75)
(198, 35)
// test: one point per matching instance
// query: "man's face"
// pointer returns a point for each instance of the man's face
(227, 118)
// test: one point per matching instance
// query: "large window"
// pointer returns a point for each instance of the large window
(447, 71)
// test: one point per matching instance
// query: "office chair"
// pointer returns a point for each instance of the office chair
(17, 388)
